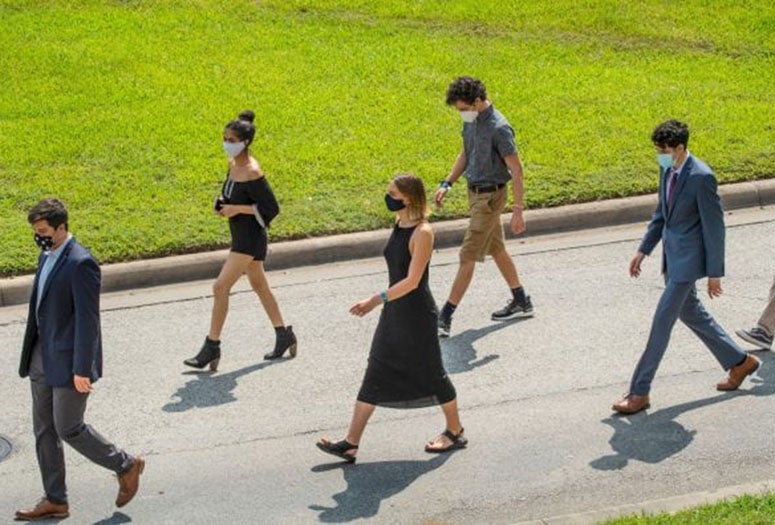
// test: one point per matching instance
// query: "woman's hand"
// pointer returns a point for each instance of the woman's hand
(229, 210)
(367, 305)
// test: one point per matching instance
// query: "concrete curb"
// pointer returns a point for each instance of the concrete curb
(653, 507)
(322, 250)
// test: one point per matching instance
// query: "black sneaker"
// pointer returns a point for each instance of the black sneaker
(514, 310)
(757, 337)
(445, 325)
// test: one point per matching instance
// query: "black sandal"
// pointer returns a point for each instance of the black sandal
(458, 441)
(339, 449)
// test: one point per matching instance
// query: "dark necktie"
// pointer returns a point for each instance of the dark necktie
(671, 181)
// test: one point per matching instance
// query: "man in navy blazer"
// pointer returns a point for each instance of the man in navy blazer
(689, 220)
(62, 356)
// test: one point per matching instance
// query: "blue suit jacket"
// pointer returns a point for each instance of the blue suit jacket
(68, 319)
(692, 230)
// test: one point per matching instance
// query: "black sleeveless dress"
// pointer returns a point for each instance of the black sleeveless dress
(405, 368)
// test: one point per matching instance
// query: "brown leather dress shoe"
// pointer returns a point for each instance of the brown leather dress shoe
(44, 510)
(129, 482)
(632, 404)
(737, 374)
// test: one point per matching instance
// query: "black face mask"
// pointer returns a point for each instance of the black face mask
(393, 204)
(44, 242)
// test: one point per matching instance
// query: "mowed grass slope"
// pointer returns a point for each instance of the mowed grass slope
(757, 509)
(118, 107)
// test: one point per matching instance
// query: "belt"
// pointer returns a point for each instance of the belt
(485, 188)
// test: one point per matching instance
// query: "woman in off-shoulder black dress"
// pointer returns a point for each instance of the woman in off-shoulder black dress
(405, 368)
(249, 203)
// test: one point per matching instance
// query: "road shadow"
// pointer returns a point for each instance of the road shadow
(369, 484)
(115, 519)
(210, 389)
(458, 352)
(654, 437)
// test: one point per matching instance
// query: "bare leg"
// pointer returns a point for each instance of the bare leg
(236, 264)
(361, 414)
(465, 273)
(452, 417)
(507, 268)
(260, 285)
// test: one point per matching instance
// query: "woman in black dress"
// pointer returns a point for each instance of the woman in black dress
(249, 203)
(405, 368)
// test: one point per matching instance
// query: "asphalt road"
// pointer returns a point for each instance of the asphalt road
(238, 446)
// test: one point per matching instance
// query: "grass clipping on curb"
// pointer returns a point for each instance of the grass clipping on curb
(117, 107)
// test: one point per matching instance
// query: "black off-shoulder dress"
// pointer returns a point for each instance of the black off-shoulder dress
(248, 232)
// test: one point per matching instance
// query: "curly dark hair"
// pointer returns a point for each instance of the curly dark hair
(671, 133)
(51, 210)
(467, 89)
(243, 126)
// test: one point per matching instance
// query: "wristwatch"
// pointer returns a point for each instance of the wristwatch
(445, 184)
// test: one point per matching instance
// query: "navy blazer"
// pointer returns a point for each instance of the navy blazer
(692, 230)
(67, 321)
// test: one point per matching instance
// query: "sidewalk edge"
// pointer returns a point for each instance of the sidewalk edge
(350, 246)
(657, 506)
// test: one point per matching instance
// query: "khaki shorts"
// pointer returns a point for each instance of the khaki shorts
(484, 235)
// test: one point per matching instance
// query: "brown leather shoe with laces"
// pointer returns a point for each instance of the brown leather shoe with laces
(632, 404)
(129, 482)
(737, 374)
(44, 510)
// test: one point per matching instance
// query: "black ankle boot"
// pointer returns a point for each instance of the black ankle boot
(286, 340)
(209, 354)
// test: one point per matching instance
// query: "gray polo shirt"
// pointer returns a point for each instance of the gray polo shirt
(486, 141)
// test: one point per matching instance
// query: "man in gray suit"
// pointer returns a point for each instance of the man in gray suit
(689, 220)
(62, 355)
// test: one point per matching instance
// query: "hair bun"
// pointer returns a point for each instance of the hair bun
(247, 115)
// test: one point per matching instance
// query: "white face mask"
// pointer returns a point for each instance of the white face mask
(469, 116)
(233, 149)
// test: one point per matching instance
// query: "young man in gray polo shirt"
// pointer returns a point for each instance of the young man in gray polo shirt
(489, 159)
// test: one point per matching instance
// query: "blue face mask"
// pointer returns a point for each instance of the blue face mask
(665, 160)
(393, 204)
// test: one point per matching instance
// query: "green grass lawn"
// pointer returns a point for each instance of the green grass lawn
(117, 107)
(745, 510)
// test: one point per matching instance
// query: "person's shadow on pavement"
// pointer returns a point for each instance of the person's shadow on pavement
(654, 437)
(115, 519)
(368, 484)
(211, 389)
(458, 353)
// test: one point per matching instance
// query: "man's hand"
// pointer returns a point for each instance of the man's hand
(438, 199)
(367, 305)
(714, 287)
(82, 384)
(635, 264)
(517, 222)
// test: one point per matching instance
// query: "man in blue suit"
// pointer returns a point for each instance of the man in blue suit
(689, 220)
(62, 355)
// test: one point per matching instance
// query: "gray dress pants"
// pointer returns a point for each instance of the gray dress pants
(57, 415)
(680, 301)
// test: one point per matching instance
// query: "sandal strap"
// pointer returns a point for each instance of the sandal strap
(454, 438)
(343, 446)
